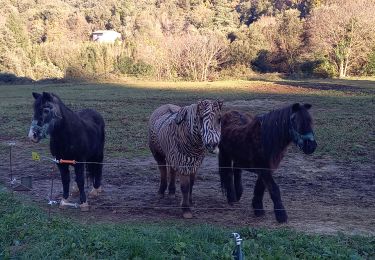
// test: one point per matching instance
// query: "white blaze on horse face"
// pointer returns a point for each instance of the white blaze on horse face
(31, 134)
(216, 150)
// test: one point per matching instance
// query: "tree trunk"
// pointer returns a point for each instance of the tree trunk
(346, 65)
(345, 68)
(342, 75)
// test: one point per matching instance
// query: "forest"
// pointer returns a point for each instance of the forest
(195, 40)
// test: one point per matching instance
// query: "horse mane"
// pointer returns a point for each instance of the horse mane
(190, 118)
(60, 103)
(275, 131)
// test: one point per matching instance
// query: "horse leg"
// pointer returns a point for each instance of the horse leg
(65, 179)
(274, 191)
(258, 197)
(172, 182)
(95, 171)
(163, 168)
(226, 177)
(237, 174)
(163, 179)
(80, 179)
(192, 180)
(185, 189)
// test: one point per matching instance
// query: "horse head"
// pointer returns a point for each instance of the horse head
(301, 128)
(209, 115)
(46, 114)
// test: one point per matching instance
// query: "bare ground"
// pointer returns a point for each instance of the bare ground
(320, 195)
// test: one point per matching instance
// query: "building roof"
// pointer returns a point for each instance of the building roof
(105, 31)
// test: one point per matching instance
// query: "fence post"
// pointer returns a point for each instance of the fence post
(237, 252)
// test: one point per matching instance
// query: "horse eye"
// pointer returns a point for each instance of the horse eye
(45, 110)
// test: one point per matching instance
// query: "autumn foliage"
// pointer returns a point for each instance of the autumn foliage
(187, 39)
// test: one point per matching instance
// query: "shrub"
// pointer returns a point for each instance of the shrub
(307, 67)
(237, 72)
(128, 66)
(263, 62)
(142, 69)
(43, 70)
(324, 69)
(125, 64)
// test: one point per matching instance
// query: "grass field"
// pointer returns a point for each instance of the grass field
(343, 112)
(344, 116)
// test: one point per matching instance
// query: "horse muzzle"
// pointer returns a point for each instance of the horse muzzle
(33, 136)
(309, 146)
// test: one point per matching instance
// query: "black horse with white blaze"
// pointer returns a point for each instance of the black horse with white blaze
(73, 136)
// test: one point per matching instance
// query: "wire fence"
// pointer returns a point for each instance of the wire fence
(24, 150)
(121, 162)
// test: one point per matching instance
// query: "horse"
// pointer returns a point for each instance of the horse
(73, 136)
(178, 139)
(258, 144)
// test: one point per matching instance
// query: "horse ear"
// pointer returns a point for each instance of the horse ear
(36, 95)
(181, 114)
(296, 107)
(47, 96)
(307, 106)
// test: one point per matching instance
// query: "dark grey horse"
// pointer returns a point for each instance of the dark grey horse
(74, 136)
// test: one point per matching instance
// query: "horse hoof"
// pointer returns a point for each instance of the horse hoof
(84, 207)
(95, 192)
(187, 215)
(281, 216)
(63, 204)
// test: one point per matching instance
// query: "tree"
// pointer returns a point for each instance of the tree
(306, 6)
(289, 40)
(343, 32)
(201, 54)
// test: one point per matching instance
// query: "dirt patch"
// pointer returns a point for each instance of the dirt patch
(319, 194)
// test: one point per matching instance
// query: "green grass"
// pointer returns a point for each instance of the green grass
(344, 117)
(26, 232)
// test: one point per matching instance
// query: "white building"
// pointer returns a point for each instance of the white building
(106, 36)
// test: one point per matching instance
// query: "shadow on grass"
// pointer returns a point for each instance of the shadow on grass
(12, 79)
(354, 86)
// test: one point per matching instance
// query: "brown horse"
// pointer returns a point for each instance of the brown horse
(258, 144)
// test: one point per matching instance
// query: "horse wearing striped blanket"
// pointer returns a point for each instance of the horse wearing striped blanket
(178, 139)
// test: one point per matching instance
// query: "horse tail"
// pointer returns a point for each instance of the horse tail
(94, 171)
(237, 174)
(226, 177)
